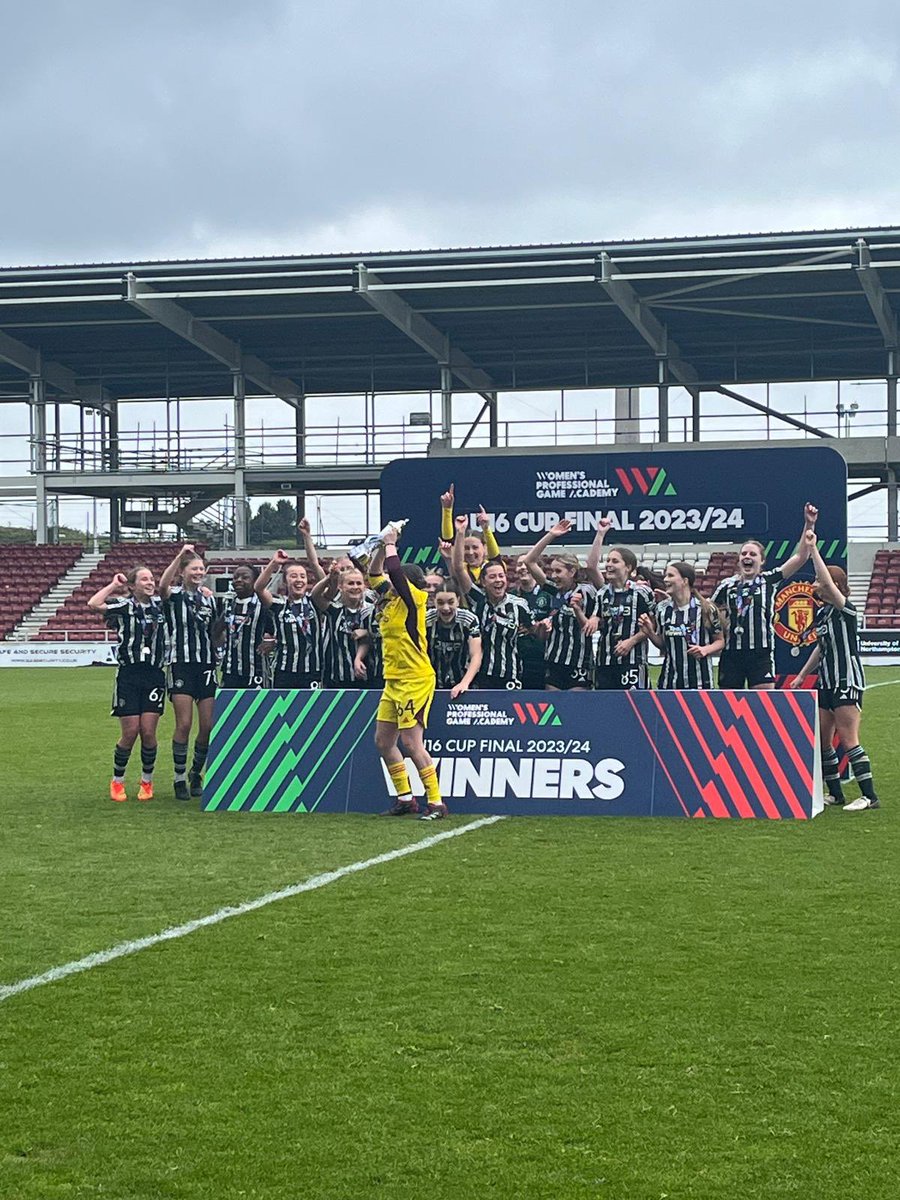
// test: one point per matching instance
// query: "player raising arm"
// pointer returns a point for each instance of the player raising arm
(746, 603)
(621, 660)
(298, 625)
(140, 687)
(191, 611)
(478, 549)
(841, 682)
(568, 654)
(340, 598)
(502, 617)
(408, 682)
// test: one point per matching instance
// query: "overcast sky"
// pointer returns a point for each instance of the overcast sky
(190, 128)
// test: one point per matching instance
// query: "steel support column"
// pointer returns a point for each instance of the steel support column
(240, 420)
(39, 455)
(493, 420)
(695, 414)
(446, 406)
(300, 446)
(892, 394)
(628, 415)
(240, 511)
(892, 515)
(662, 403)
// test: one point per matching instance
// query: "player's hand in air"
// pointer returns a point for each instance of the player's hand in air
(810, 515)
(390, 537)
(809, 538)
(482, 519)
(461, 523)
(281, 556)
(445, 549)
(561, 528)
(604, 525)
(120, 581)
(304, 526)
(187, 548)
(448, 497)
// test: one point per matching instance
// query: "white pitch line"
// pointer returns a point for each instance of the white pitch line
(884, 683)
(99, 957)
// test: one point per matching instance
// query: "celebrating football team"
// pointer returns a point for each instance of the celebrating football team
(476, 620)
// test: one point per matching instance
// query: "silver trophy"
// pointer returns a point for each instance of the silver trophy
(363, 552)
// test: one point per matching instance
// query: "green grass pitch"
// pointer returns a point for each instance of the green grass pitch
(541, 1008)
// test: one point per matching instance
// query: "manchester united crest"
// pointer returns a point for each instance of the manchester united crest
(795, 613)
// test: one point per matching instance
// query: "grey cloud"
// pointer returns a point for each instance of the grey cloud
(132, 130)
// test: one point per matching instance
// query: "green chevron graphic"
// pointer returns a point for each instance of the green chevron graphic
(661, 478)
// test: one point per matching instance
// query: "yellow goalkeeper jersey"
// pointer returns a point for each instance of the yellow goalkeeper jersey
(404, 645)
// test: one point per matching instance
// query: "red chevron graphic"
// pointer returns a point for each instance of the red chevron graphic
(708, 791)
(720, 763)
(741, 708)
(640, 480)
(625, 481)
(803, 770)
(662, 761)
(731, 738)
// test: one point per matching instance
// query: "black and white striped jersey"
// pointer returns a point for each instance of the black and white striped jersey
(246, 623)
(683, 627)
(338, 643)
(750, 604)
(371, 623)
(501, 625)
(619, 610)
(298, 636)
(840, 666)
(567, 646)
(143, 636)
(190, 617)
(448, 644)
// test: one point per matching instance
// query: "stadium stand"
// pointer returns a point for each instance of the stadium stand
(74, 621)
(883, 599)
(27, 573)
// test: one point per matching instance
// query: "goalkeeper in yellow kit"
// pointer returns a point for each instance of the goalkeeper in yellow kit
(408, 680)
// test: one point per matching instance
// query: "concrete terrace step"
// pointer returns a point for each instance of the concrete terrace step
(34, 621)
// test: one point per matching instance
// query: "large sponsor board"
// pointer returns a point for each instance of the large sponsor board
(673, 496)
(57, 654)
(676, 754)
(691, 496)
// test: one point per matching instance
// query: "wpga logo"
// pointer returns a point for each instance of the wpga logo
(645, 481)
(536, 714)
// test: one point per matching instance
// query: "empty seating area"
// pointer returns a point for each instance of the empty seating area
(883, 600)
(74, 621)
(27, 573)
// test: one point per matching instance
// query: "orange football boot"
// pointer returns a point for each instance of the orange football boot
(117, 791)
(145, 791)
